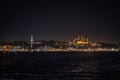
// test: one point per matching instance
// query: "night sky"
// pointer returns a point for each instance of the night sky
(60, 20)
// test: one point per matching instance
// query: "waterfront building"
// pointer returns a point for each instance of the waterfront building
(81, 41)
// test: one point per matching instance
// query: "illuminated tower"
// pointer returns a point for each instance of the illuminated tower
(31, 42)
(87, 40)
(78, 37)
(84, 39)
(81, 38)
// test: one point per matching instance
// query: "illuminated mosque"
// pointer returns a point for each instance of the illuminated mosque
(81, 41)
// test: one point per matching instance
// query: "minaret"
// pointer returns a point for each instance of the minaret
(81, 38)
(84, 39)
(87, 40)
(78, 37)
(31, 42)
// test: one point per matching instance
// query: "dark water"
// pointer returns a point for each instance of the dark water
(60, 66)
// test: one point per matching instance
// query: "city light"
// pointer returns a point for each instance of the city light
(79, 44)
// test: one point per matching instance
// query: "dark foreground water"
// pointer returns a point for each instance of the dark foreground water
(60, 66)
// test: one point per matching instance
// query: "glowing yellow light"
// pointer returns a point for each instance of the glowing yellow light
(81, 42)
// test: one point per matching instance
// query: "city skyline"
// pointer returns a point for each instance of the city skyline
(60, 20)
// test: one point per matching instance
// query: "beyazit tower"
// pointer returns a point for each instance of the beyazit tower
(31, 43)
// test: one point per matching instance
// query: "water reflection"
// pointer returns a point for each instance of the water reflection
(60, 67)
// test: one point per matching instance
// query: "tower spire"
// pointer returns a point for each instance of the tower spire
(31, 42)
(78, 37)
(31, 38)
(81, 38)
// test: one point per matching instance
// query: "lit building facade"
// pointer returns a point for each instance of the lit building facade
(81, 41)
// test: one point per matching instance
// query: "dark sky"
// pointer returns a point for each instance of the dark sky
(60, 20)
